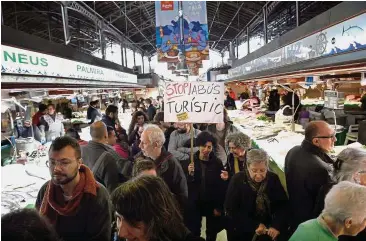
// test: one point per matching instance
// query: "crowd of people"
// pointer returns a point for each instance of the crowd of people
(141, 184)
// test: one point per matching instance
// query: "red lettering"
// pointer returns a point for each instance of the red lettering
(180, 89)
(169, 90)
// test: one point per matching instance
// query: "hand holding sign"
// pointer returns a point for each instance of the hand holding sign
(191, 168)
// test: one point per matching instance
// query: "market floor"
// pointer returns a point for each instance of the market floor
(220, 236)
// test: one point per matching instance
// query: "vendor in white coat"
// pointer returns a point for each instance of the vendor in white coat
(51, 125)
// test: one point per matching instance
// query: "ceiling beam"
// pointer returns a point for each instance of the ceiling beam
(217, 9)
(250, 22)
(248, 10)
(143, 35)
(241, 5)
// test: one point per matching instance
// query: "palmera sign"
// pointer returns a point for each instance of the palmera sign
(25, 62)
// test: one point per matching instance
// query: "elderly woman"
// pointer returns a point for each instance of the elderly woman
(256, 202)
(238, 144)
(147, 211)
(344, 213)
(350, 166)
(206, 188)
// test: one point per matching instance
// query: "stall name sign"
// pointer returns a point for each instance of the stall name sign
(194, 102)
(24, 62)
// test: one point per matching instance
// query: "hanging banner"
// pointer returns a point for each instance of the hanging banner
(194, 102)
(168, 32)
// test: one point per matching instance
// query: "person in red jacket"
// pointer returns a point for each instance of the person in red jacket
(42, 110)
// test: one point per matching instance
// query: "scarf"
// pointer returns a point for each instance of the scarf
(263, 208)
(53, 203)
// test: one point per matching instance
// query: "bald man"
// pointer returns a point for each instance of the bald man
(307, 169)
(108, 167)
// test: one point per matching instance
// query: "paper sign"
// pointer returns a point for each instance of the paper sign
(194, 102)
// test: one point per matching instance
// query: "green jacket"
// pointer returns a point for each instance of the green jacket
(312, 230)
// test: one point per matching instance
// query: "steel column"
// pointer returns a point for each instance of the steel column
(248, 40)
(65, 22)
(122, 57)
(143, 64)
(125, 56)
(149, 64)
(237, 48)
(134, 58)
(102, 42)
(297, 14)
(265, 25)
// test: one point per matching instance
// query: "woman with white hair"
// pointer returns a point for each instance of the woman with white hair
(349, 166)
(344, 213)
(256, 202)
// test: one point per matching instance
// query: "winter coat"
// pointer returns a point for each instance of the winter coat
(113, 170)
(307, 169)
(205, 186)
(169, 169)
(240, 205)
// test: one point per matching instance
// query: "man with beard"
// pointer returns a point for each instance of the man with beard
(178, 139)
(167, 167)
(73, 201)
(51, 125)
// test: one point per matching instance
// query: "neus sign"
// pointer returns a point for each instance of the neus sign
(25, 62)
(194, 102)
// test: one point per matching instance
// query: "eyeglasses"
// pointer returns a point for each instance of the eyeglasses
(326, 137)
(62, 164)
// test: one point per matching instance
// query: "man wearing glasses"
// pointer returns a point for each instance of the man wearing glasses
(73, 201)
(307, 168)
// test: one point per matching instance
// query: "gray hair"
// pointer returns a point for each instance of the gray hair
(239, 140)
(346, 200)
(257, 156)
(351, 161)
(155, 134)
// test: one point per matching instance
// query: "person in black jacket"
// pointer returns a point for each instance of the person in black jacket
(147, 210)
(229, 103)
(307, 169)
(238, 144)
(108, 167)
(93, 114)
(349, 166)
(256, 202)
(111, 116)
(151, 110)
(167, 167)
(206, 188)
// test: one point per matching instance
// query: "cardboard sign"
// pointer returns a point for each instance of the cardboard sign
(194, 102)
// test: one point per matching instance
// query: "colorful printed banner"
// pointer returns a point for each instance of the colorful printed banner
(195, 31)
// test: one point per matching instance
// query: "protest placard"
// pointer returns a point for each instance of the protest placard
(194, 102)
